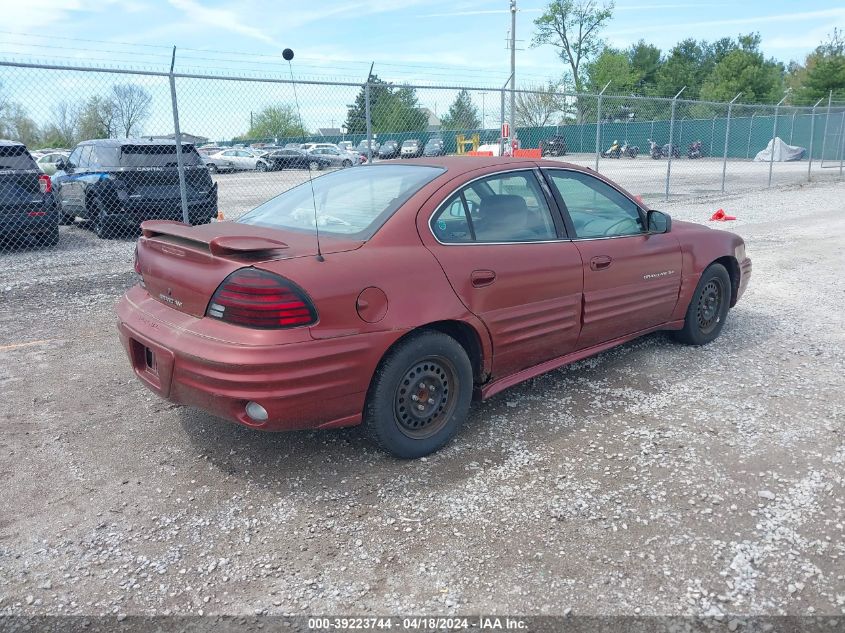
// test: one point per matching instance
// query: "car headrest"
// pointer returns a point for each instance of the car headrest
(503, 208)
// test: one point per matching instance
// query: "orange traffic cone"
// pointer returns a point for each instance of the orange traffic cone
(220, 217)
(721, 216)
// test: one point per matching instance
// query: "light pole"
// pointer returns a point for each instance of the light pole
(513, 70)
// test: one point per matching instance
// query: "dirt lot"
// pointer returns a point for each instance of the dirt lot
(652, 479)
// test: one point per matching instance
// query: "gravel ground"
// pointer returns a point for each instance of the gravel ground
(652, 479)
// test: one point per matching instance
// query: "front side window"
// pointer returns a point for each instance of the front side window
(596, 209)
(353, 203)
(502, 208)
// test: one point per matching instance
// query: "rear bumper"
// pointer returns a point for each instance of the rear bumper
(28, 218)
(134, 211)
(303, 384)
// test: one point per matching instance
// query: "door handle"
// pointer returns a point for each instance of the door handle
(481, 278)
(601, 262)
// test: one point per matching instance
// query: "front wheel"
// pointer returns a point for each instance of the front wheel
(261, 167)
(708, 308)
(419, 395)
(347, 163)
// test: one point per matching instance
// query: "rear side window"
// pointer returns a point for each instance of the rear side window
(157, 156)
(502, 208)
(15, 157)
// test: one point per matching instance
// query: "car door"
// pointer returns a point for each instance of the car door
(72, 194)
(631, 277)
(506, 255)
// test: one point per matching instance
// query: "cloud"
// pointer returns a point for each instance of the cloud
(221, 19)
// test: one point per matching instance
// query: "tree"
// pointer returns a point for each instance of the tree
(62, 130)
(279, 121)
(97, 119)
(745, 70)
(823, 70)
(16, 124)
(392, 109)
(613, 66)
(540, 106)
(645, 61)
(131, 107)
(687, 64)
(573, 27)
(462, 114)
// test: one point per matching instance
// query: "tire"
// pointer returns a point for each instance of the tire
(438, 363)
(261, 166)
(49, 238)
(708, 307)
(314, 166)
(346, 163)
(65, 219)
(103, 229)
(212, 168)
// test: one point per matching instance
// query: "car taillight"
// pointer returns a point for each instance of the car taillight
(45, 183)
(258, 299)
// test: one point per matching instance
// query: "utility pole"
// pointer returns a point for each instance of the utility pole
(513, 70)
(483, 119)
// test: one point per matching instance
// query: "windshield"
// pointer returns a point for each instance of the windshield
(353, 203)
(15, 157)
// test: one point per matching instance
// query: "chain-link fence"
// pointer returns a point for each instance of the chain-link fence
(89, 153)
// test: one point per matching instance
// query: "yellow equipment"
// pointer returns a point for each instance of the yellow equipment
(465, 145)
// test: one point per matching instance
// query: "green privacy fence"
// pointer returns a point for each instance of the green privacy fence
(748, 134)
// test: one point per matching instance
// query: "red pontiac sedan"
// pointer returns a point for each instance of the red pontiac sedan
(392, 295)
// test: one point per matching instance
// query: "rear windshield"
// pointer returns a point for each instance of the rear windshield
(16, 157)
(351, 202)
(150, 156)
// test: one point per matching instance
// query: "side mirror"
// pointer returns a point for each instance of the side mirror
(658, 222)
(62, 165)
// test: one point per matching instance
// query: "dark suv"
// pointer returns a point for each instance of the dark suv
(28, 211)
(117, 184)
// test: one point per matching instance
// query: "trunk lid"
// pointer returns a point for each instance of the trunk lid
(183, 265)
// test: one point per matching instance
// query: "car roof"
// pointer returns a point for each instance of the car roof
(462, 164)
(120, 142)
(7, 143)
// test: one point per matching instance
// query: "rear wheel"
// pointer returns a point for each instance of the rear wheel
(212, 168)
(103, 227)
(419, 396)
(708, 308)
(314, 165)
(49, 238)
(347, 163)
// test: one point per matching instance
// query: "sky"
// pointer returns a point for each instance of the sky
(425, 42)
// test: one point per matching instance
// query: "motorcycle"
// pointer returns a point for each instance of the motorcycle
(676, 151)
(663, 152)
(694, 150)
(630, 151)
(614, 151)
(654, 149)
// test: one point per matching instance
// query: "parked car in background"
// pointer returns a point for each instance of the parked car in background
(553, 146)
(292, 146)
(412, 148)
(242, 320)
(47, 162)
(28, 211)
(207, 150)
(237, 160)
(337, 157)
(434, 147)
(296, 159)
(115, 184)
(311, 146)
(347, 146)
(362, 147)
(389, 149)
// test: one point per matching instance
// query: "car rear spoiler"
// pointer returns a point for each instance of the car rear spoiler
(219, 245)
